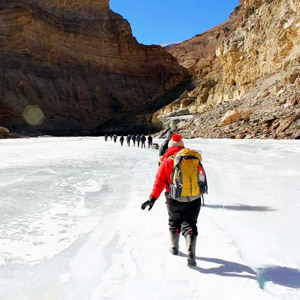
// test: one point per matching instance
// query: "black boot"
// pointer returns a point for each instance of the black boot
(174, 247)
(191, 249)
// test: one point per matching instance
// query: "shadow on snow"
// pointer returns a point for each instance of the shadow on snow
(241, 207)
(227, 268)
(279, 275)
(283, 276)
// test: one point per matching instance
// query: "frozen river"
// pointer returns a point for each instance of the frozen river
(71, 227)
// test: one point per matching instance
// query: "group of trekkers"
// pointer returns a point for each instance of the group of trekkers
(182, 176)
(136, 139)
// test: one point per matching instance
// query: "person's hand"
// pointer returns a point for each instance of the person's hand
(149, 203)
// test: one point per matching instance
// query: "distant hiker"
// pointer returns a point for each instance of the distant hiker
(122, 140)
(150, 140)
(143, 141)
(138, 139)
(164, 146)
(128, 140)
(111, 137)
(182, 176)
(115, 138)
(133, 139)
(105, 137)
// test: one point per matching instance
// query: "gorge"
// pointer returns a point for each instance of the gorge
(78, 62)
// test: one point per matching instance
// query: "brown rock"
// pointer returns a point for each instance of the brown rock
(294, 101)
(268, 120)
(282, 101)
(284, 124)
(296, 135)
(265, 94)
(292, 78)
(79, 63)
(239, 135)
(277, 88)
(203, 96)
(3, 130)
(246, 113)
(186, 102)
(254, 52)
(230, 117)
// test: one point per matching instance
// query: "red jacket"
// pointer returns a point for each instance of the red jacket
(163, 175)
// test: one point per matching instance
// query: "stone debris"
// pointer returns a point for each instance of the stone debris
(247, 74)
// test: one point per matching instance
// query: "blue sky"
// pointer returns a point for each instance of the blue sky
(165, 21)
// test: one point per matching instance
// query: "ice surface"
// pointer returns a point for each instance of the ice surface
(71, 227)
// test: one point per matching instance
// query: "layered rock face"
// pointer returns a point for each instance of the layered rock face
(251, 64)
(78, 62)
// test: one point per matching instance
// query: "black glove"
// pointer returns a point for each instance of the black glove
(149, 203)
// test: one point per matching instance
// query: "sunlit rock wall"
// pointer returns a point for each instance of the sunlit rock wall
(253, 60)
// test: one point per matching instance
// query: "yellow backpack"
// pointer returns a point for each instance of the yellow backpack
(188, 178)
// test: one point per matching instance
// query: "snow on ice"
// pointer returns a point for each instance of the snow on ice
(71, 227)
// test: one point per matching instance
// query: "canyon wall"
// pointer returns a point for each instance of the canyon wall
(71, 67)
(248, 67)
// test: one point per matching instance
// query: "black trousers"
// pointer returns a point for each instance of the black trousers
(183, 216)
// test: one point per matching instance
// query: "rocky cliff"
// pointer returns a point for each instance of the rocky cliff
(70, 66)
(248, 74)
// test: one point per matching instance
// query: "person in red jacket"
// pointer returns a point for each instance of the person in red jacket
(183, 215)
